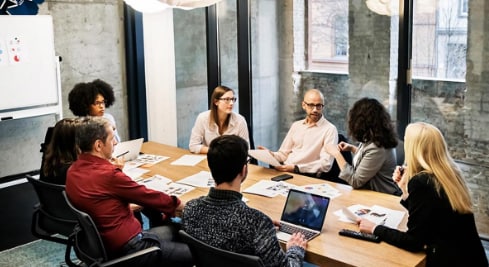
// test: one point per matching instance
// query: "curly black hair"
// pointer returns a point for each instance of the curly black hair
(369, 121)
(84, 94)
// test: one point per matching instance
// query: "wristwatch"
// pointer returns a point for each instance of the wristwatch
(296, 169)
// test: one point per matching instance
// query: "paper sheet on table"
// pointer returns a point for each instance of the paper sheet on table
(392, 217)
(321, 189)
(264, 156)
(201, 179)
(189, 160)
(134, 173)
(154, 181)
(148, 160)
(128, 165)
(269, 188)
(377, 214)
(165, 185)
(353, 209)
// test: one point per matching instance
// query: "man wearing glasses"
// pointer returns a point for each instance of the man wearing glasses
(303, 149)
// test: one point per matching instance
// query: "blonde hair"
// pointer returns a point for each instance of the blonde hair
(426, 151)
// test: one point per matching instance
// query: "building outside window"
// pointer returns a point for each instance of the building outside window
(463, 10)
(439, 39)
(328, 35)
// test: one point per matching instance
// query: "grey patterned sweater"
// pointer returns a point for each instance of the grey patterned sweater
(223, 220)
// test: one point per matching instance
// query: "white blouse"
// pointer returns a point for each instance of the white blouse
(203, 133)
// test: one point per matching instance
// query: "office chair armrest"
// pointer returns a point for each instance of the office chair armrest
(130, 256)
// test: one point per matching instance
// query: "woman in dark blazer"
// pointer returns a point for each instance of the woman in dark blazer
(441, 221)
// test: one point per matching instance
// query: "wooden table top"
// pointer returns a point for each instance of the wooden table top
(328, 249)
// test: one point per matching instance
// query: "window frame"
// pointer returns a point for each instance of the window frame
(334, 64)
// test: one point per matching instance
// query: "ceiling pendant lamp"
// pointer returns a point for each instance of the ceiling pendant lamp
(153, 6)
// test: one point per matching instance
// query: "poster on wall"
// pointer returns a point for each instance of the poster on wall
(17, 52)
(19, 7)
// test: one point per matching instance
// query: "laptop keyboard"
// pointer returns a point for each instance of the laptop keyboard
(290, 229)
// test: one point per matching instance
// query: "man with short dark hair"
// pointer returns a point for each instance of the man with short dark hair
(221, 219)
(100, 188)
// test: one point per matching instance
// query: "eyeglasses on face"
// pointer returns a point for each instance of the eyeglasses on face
(100, 103)
(228, 99)
(312, 106)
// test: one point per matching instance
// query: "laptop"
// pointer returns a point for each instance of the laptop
(303, 212)
(131, 149)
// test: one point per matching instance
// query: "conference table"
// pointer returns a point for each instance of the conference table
(329, 248)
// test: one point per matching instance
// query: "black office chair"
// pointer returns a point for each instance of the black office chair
(52, 219)
(208, 256)
(333, 173)
(88, 245)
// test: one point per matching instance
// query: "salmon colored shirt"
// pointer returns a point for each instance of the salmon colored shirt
(304, 146)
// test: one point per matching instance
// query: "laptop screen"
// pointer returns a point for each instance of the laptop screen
(129, 149)
(305, 209)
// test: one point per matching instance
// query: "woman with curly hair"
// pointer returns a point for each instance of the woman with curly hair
(374, 158)
(91, 99)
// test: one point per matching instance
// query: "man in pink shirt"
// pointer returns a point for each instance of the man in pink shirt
(303, 149)
(102, 190)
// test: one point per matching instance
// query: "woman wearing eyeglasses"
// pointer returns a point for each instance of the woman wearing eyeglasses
(219, 120)
(374, 159)
(91, 99)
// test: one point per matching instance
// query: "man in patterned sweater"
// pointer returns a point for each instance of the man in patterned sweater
(221, 219)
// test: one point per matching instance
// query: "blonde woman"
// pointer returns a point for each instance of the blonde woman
(441, 220)
(219, 120)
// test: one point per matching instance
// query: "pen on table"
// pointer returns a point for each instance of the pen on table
(122, 154)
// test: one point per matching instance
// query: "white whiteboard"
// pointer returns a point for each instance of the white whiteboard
(29, 84)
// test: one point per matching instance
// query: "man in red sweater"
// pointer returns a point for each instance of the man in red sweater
(102, 190)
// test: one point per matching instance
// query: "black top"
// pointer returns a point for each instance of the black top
(448, 237)
(221, 219)
(60, 178)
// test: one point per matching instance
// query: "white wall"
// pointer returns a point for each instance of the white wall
(159, 57)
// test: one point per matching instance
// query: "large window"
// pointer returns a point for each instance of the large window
(439, 67)
(328, 35)
(439, 39)
(449, 81)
